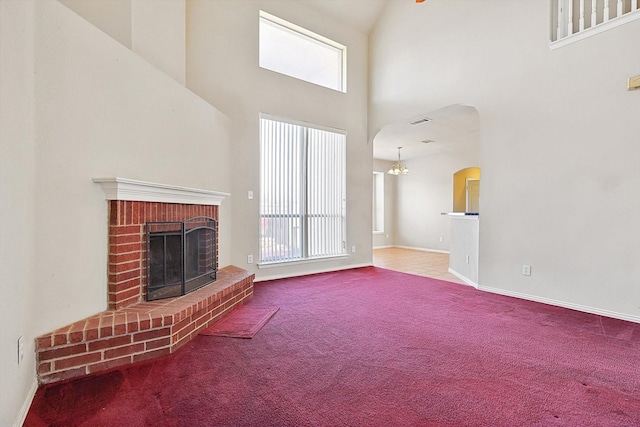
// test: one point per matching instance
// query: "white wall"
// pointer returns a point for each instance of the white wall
(103, 111)
(18, 286)
(463, 254)
(76, 104)
(158, 34)
(112, 16)
(153, 29)
(558, 150)
(222, 67)
(424, 194)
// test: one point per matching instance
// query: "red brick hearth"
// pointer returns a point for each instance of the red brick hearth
(132, 329)
(140, 331)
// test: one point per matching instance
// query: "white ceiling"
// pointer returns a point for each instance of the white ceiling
(452, 128)
(456, 127)
(359, 14)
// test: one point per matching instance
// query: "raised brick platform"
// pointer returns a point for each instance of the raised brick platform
(138, 332)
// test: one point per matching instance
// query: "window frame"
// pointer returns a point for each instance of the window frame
(315, 37)
(305, 214)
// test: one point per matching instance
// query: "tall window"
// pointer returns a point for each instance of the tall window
(302, 197)
(292, 50)
(378, 202)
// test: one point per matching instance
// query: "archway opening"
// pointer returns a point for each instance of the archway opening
(466, 190)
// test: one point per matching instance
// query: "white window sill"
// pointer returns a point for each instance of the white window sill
(301, 261)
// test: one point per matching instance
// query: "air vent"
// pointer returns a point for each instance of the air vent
(423, 120)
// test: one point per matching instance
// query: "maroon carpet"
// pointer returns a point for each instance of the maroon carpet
(372, 347)
(243, 322)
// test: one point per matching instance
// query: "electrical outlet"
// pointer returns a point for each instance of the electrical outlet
(441, 239)
(20, 349)
(249, 259)
(353, 248)
(526, 270)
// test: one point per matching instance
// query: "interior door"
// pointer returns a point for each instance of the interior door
(473, 195)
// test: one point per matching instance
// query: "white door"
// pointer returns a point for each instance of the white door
(473, 195)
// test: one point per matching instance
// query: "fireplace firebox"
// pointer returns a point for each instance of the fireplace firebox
(181, 256)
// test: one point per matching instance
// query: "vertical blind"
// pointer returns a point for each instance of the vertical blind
(302, 194)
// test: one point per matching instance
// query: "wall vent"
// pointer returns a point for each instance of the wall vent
(423, 120)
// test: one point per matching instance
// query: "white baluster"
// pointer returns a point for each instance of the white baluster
(620, 7)
(570, 17)
(560, 30)
(581, 25)
(605, 16)
(634, 4)
(594, 14)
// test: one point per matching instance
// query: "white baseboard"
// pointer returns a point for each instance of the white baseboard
(383, 247)
(24, 410)
(466, 280)
(564, 304)
(421, 249)
(308, 273)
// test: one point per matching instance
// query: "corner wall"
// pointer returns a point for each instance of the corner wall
(558, 150)
(153, 29)
(77, 104)
(18, 262)
(103, 111)
(113, 16)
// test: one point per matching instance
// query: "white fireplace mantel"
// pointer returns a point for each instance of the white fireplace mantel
(142, 191)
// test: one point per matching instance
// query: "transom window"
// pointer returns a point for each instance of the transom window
(302, 192)
(296, 52)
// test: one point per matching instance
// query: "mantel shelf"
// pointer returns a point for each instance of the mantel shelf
(129, 189)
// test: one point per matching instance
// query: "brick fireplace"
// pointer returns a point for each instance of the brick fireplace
(132, 329)
(127, 252)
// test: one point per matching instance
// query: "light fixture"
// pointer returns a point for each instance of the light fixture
(398, 168)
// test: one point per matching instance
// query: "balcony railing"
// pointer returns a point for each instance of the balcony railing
(572, 20)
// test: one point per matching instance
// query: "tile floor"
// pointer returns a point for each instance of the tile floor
(421, 263)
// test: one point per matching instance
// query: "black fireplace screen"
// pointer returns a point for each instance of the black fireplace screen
(181, 256)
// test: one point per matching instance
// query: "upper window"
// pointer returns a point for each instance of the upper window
(291, 50)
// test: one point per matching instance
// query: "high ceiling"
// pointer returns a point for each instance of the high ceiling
(452, 128)
(359, 14)
(455, 127)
